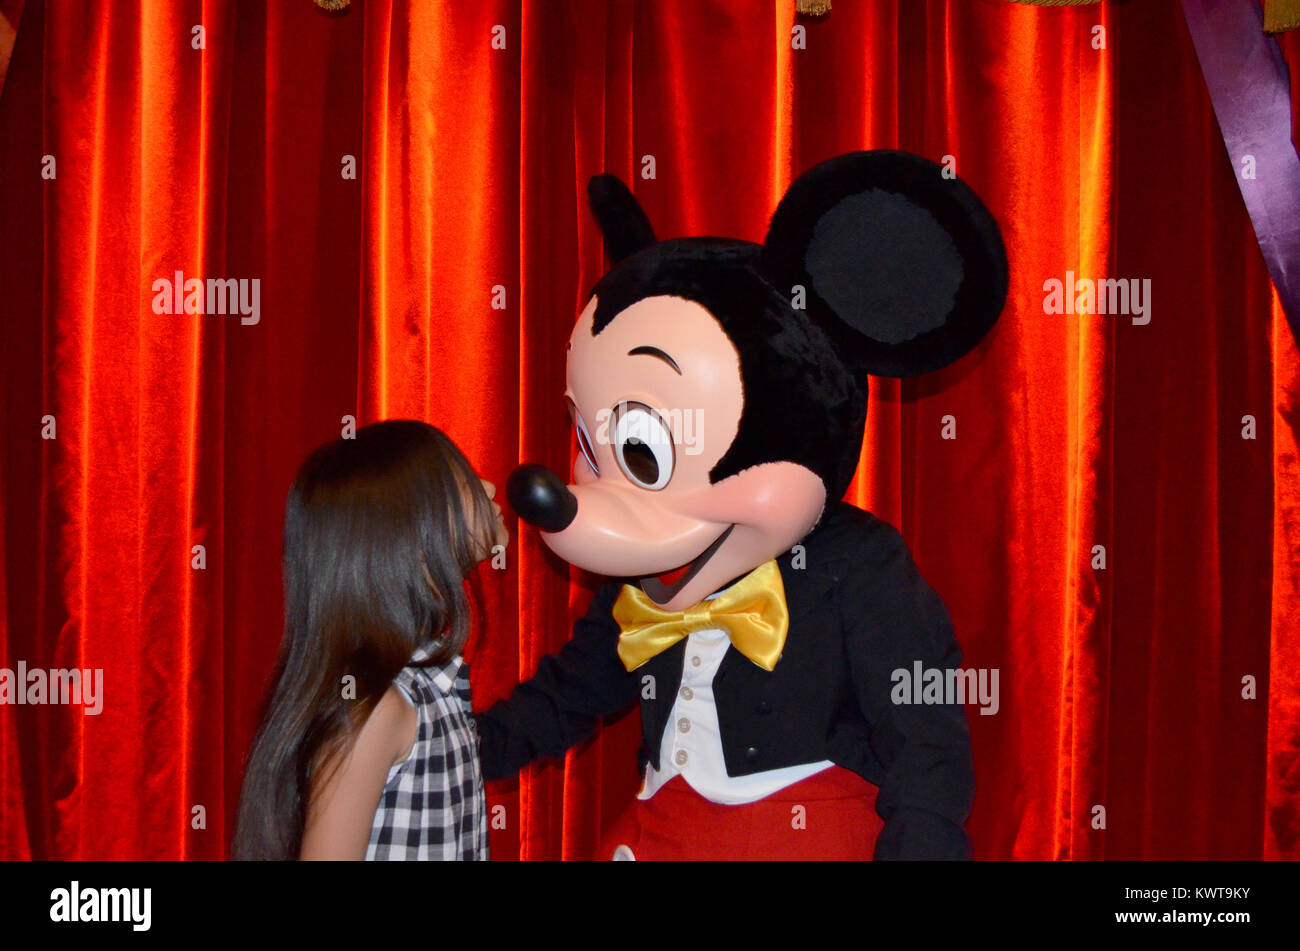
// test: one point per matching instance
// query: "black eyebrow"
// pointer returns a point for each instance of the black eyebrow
(656, 352)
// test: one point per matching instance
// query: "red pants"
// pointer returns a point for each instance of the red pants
(829, 815)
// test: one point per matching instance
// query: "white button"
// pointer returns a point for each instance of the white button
(680, 758)
(684, 725)
(687, 693)
(623, 854)
(695, 661)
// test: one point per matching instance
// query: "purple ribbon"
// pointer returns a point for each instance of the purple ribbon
(1251, 92)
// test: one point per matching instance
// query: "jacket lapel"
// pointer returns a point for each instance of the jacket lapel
(804, 587)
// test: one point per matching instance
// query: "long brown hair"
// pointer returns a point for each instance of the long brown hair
(377, 544)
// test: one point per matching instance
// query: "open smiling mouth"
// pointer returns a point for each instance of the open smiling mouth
(662, 587)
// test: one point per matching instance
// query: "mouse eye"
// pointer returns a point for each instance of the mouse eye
(584, 437)
(643, 445)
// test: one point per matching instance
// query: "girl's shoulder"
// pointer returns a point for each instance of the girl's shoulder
(393, 724)
(426, 684)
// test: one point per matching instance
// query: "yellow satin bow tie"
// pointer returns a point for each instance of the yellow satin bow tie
(752, 612)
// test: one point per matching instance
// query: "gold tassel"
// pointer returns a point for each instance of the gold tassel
(1281, 15)
(332, 5)
(1058, 3)
(812, 8)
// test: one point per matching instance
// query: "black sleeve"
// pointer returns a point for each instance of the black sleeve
(892, 620)
(562, 703)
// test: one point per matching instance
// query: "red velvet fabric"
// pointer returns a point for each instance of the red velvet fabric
(1121, 687)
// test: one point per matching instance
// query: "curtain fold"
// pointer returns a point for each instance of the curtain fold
(1282, 791)
(407, 184)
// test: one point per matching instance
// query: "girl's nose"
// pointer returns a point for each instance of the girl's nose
(489, 488)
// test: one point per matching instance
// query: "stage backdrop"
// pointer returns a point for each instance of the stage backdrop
(1101, 528)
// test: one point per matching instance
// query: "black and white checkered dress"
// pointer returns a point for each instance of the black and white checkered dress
(433, 805)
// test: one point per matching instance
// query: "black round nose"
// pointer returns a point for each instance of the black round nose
(540, 498)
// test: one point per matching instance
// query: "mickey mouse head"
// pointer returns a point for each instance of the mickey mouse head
(874, 264)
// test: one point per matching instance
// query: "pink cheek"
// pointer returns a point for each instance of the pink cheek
(774, 501)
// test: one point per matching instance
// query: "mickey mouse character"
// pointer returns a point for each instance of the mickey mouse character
(719, 392)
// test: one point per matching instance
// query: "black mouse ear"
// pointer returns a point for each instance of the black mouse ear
(903, 264)
(622, 220)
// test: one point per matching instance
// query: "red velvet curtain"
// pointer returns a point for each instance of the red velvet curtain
(1121, 687)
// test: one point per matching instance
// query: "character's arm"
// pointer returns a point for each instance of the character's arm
(562, 703)
(892, 620)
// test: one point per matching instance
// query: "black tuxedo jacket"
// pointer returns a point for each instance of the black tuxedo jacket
(859, 610)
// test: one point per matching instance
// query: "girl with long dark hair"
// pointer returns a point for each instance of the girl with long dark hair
(367, 748)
